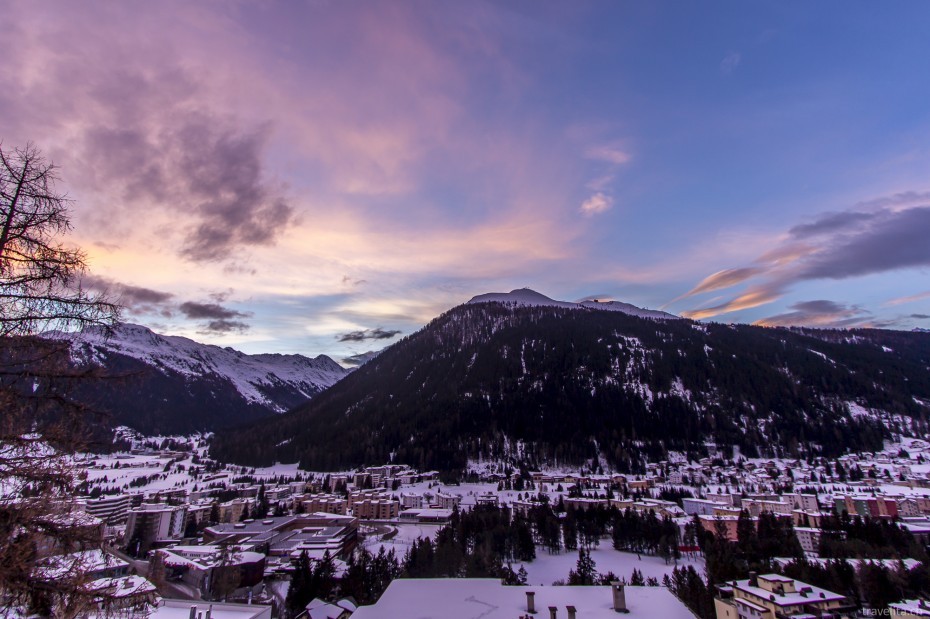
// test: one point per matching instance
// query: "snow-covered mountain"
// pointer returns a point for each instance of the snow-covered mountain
(253, 376)
(558, 383)
(171, 383)
(530, 298)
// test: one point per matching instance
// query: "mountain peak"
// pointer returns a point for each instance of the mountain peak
(527, 297)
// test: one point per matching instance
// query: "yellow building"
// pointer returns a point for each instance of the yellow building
(772, 596)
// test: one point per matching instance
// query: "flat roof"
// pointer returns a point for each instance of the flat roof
(468, 598)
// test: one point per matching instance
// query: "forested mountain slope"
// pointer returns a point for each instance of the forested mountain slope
(563, 384)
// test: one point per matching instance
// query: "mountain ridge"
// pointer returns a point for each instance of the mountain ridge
(172, 384)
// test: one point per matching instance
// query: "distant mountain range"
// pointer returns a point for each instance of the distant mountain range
(168, 385)
(518, 375)
(524, 297)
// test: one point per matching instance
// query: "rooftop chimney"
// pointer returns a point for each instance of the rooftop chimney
(571, 612)
(753, 579)
(531, 601)
(552, 612)
(619, 592)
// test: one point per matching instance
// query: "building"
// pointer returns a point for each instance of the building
(466, 598)
(412, 500)
(809, 538)
(772, 596)
(428, 515)
(182, 609)
(909, 608)
(231, 511)
(866, 505)
(112, 509)
(325, 503)
(154, 524)
(282, 536)
(757, 506)
(447, 501)
(203, 566)
(376, 509)
(724, 525)
(701, 507)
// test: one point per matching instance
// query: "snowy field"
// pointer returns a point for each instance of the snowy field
(547, 568)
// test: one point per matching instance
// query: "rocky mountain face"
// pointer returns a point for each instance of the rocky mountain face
(564, 383)
(168, 385)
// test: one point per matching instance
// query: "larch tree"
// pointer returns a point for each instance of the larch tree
(40, 291)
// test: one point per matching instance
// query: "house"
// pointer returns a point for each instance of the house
(466, 598)
(773, 596)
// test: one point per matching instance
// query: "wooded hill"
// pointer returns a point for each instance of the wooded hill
(556, 385)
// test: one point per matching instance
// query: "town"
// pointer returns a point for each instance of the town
(181, 533)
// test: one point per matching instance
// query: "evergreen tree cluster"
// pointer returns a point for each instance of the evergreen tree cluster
(311, 579)
(475, 544)
(571, 383)
(646, 533)
(367, 575)
(846, 536)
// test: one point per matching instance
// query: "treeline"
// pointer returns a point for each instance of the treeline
(569, 384)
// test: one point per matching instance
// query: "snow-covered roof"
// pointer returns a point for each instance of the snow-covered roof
(919, 608)
(470, 598)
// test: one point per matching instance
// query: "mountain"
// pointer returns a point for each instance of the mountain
(524, 297)
(556, 383)
(167, 384)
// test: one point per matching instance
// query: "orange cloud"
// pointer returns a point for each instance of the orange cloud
(747, 300)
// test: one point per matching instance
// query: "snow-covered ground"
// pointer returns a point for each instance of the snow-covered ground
(547, 568)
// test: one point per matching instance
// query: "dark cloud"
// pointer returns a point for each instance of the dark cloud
(820, 313)
(920, 316)
(819, 307)
(222, 326)
(893, 235)
(206, 166)
(894, 240)
(360, 358)
(221, 296)
(136, 299)
(368, 334)
(831, 222)
(209, 311)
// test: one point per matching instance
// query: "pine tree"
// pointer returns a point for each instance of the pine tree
(585, 572)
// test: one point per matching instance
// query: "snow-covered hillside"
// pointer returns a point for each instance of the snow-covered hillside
(531, 298)
(255, 377)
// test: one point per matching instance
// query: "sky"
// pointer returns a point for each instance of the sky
(326, 177)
